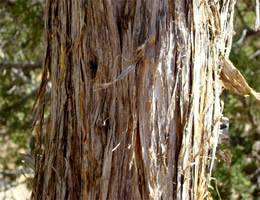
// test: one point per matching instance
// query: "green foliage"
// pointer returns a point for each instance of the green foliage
(239, 180)
(21, 27)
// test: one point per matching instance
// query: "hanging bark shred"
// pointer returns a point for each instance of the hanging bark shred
(233, 80)
(129, 124)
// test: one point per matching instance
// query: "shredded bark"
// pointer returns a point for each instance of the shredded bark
(135, 106)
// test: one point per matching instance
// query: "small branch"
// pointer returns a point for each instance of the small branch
(254, 54)
(14, 172)
(28, 66)
(247, 31)
(255, 173)
(20, 102)
(9, 172)
(241, 18)
(242, 37)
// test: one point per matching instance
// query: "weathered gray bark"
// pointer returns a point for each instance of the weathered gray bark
(151, 135)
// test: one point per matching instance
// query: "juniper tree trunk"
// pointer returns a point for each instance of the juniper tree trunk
(135, 107)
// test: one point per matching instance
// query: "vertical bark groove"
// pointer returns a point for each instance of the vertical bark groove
(152, 133)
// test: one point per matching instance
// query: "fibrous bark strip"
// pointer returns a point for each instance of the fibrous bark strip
(150, 135)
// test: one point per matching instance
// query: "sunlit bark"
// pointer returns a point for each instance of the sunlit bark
(146, 133)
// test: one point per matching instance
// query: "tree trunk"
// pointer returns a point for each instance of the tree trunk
(135, 107)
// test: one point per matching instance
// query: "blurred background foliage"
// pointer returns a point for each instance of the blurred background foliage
(241, 178)
(21, 28)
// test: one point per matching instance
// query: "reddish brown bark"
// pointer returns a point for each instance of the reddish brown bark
(150, 135)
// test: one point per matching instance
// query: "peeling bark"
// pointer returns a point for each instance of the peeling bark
(151, 135)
